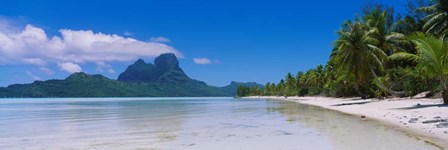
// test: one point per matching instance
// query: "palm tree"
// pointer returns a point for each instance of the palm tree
(320, 75)
(280, 88)
(432, 54)
(437, 20)
(376, 18)
(356, 55)
(290, 84)
(266, 89)
(300, 83)
(382, 20)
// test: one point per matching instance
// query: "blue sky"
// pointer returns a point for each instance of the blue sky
(232, 40)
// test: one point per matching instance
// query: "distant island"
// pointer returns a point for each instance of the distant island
(164, 78)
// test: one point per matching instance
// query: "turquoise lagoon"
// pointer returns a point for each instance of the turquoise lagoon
(188, 123)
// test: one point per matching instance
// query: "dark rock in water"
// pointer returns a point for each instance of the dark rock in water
(413, 120)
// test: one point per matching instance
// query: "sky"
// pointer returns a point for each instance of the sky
(216, 41)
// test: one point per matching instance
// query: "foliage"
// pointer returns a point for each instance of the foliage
(381, 54)
(357, 55)
(432, 56)
(437, 18)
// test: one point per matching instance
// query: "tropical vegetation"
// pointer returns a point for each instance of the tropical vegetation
(378, 54)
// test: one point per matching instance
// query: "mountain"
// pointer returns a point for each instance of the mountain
(164, 70)
(233, 86)
(164, 78)
(79, 85)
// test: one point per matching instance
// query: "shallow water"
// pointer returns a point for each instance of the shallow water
(188, 123)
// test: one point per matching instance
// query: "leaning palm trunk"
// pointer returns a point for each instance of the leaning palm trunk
(387, 89)
(445, 96)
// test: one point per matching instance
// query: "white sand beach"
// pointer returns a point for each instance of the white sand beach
(424, 117)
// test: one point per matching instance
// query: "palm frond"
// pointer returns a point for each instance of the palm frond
(403, 56)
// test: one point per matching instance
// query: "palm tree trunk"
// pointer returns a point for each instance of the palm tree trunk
(358, 90)
(445, 96)
(444, 90)
(392, 92)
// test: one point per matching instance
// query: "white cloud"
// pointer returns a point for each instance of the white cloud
(104, 67)
(34, 77)
(202, 61)
(127, 33)
(35, 61)
(160, 39)
(70, 67)
(31, 45)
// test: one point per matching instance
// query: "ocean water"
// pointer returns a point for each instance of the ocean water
(188, 123)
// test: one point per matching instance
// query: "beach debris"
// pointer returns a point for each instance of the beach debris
(413, 120)
(281, 132)
(421, 95)
(231, 135)
(442, 125)
(435, 121)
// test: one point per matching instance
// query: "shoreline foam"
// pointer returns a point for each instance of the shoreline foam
(426, 118)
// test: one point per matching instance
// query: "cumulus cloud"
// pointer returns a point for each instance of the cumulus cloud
(70, 67)
(104, 67)
(160, 39)
(31, 45)
(202, 61)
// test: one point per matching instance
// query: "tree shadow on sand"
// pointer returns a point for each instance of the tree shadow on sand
(354, 103)
(422, 106)
(353, 99)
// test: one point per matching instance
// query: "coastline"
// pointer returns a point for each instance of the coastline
(426, 118)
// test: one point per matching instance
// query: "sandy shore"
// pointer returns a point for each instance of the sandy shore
(424, 117)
